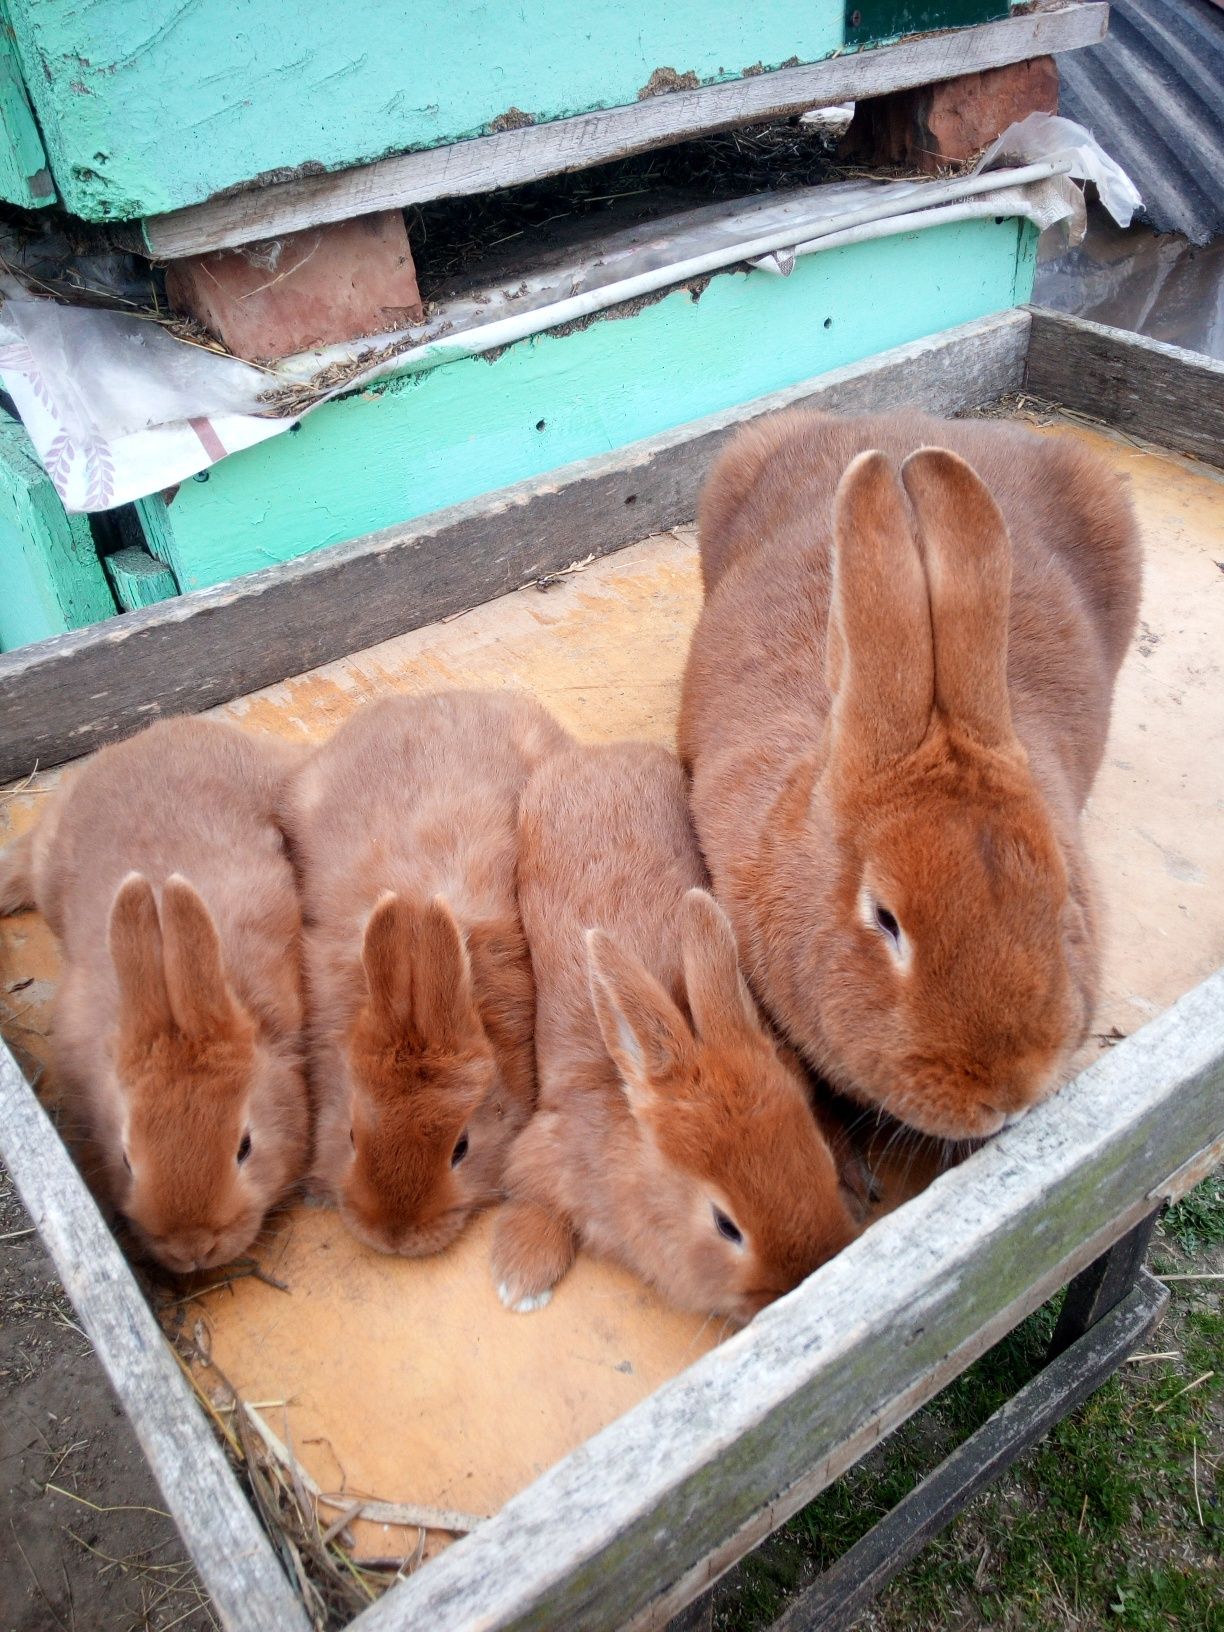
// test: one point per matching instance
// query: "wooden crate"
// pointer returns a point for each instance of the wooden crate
(640, 1518)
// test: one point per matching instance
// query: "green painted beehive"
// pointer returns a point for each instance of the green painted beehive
(147, 106)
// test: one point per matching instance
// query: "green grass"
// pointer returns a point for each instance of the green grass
(1116, 1520)
(1197, 1220)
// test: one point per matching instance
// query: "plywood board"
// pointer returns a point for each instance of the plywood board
(406, 1381)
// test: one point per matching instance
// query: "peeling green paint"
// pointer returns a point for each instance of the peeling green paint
(24, 177)
(147, 106)
(415, 444)
(139, 579)
(50, 575)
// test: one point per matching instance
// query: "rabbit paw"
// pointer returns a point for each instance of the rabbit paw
(532, 1249)
(525, 1305)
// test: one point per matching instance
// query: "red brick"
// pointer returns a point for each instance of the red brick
(330, 283)
(934, 126)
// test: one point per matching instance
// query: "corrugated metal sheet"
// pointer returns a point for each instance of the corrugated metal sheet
(1153, 95)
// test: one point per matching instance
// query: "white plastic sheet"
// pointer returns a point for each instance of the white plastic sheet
(117, 408)
(1047, 136)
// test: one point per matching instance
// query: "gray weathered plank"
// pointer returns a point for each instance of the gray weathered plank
(820, 1375)
(230, 1549)
(1160, 393)
(63, 697)
(516, 156)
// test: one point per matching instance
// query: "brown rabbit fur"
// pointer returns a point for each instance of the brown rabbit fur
(177, 1031)
(419, 977)
(895, 704)
(668, 1125)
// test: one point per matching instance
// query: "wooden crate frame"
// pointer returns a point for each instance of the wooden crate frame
(642, 1519)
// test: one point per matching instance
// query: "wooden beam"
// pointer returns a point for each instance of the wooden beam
(230, 1548)
(64, 697)
(515, 156)
(685, 1483)
(138, 578)
(1160, 393)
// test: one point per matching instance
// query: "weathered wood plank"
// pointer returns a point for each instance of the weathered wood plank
(660, 1491)
(515, 156)
(231, 1551)
(1158, 392)
(1102, 1285)
(64, 697)
(833, 1602)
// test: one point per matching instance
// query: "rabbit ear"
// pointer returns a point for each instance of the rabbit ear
(718, 996)
(200, 997)
(136, 951)
(642, 1028)
(418, 972)
(384, 957)
(443, 999)
(880, 665)
(968, 567)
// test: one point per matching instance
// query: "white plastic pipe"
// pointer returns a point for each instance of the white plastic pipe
(915, 221)
(506, 330)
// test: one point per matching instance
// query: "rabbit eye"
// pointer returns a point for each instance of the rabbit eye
(885, 921)
(127, 1161)
(244, 1147)
(876, 917)
(460, 1150)
(727, 1227)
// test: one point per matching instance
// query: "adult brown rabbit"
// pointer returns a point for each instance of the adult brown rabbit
(670, 1133)
(404, 826)
(177, 1040)
(895, 704)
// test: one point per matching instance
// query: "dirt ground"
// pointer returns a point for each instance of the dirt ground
(84, 1544)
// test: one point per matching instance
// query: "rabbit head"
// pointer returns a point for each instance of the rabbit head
(429, 1126)
(745, 1198)
(212, 1123)
(952, 970)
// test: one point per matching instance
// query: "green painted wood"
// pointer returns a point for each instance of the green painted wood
(415, 444)
(51, 579)
(138, 579)
(146, 106)
(24, 177)
(873, 22)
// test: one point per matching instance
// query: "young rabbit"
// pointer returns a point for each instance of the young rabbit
(669, 1134)
(177, 1032)
(895, 704)
(418, 975)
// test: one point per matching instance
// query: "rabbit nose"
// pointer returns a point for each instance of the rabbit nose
(194, 1251)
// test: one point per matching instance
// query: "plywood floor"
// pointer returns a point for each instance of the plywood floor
(407, 1381)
